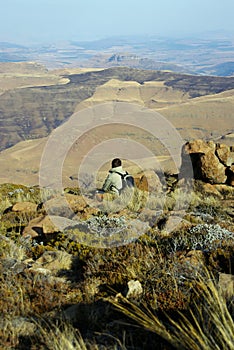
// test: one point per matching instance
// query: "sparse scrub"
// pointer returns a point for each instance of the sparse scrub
(170, 268)
(10, 249)
(209, 205)
(132, 200)
(205, 237)
(209, 237)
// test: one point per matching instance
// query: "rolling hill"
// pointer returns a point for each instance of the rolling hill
(197, 106)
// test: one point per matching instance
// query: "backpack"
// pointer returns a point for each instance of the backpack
(127, 181)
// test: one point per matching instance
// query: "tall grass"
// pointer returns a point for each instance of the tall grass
(208, 324)
(64, 336)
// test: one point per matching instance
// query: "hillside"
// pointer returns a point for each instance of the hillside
(33, 112)
(135, 271)
(193, 104)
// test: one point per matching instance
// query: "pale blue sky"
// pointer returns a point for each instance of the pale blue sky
(25, 21)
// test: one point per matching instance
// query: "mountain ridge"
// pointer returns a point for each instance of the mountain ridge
(33, 112)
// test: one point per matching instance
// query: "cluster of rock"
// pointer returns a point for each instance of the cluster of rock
(211, 162)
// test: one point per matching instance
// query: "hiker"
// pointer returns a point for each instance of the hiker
(117, 179)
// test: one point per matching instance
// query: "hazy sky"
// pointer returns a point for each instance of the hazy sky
(25, 21)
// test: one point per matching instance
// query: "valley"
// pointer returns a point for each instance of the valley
(196, 106)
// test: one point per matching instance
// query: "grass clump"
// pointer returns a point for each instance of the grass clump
(208, 324)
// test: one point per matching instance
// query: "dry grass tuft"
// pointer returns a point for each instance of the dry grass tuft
(208, 324)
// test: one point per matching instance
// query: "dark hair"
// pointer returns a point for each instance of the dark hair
(116, 162)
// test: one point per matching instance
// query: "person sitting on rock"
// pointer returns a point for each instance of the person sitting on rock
(117, 180)
(113, 182)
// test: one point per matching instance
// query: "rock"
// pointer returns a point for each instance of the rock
(226, 285)
(24, 206)
(224, 154)
(40, 225)
(230, 174)
(57, 206)
(148, 181)
(134, 290)
(198, 146)
(211, 169)
(207, 161)
(65, 205)
(153, 181)
(211, 189)
(190, 158)
(150, 216)
(54, 261)
(175, 222)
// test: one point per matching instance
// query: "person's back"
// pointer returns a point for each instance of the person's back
(113, 182)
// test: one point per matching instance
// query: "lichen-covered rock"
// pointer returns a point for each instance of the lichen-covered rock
(24, 207)
(198, 146)
(208, 161)
(211, 169)
(224, 154)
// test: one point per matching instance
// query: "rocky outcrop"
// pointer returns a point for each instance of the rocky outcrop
(211, 162)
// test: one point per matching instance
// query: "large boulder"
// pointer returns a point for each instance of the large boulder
(208, 160)
(211, 169)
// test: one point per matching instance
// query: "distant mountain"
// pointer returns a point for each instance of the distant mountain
(133, 61)
(209, 56)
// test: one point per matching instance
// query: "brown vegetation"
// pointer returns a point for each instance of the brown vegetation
(60, 289)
